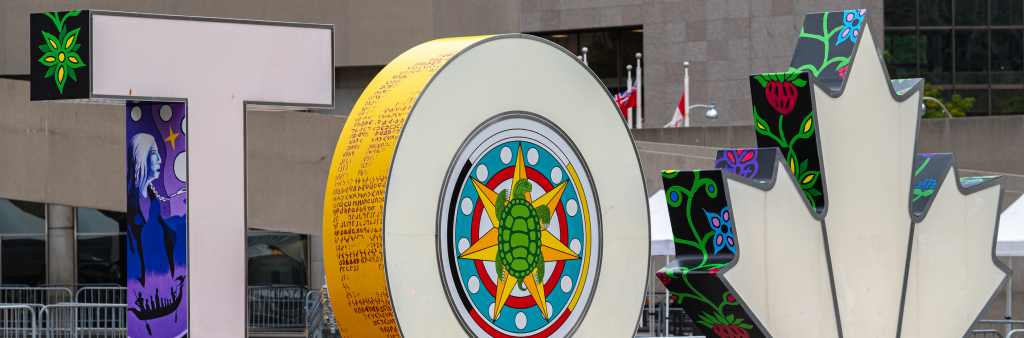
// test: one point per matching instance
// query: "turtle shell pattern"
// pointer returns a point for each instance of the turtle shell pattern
(519, 238)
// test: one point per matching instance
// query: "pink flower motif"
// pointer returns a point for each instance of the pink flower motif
(714, 272)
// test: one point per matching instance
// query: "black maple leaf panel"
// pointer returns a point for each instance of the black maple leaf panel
(702, 225)
(826, 44)
(784, 118)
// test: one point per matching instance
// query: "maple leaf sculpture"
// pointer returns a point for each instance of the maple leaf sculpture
(833, 227)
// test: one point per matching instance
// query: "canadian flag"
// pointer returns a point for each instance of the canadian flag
(678, 116)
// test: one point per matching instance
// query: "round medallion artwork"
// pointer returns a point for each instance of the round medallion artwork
(520, 242)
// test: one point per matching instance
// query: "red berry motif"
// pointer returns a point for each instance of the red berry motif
(842, 72)
(714, 272)
(731, 331)
(730, 298)
(663, 277)
(781, 95)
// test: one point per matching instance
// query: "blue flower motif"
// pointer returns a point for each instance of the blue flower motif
(721, 223)
(851, 21)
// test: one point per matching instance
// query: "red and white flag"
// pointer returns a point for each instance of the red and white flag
(626, 99)
(679, 114)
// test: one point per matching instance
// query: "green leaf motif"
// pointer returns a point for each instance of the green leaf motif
(746, 326)
(799, 83)
(759, 78)
(808, 179)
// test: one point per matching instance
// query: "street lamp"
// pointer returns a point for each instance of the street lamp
(712, 114)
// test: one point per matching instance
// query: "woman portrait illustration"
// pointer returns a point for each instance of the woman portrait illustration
(157, 211)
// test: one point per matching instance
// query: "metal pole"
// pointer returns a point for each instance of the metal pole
(585, 57)
(639, 93)
(650, 293)
(686, 93)
(629, 84)
(666, 303)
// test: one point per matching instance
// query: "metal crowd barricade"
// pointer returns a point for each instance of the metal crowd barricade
(17, 321)
(34, 295)
(652, 317)
(998, 329)
(276, 307)
(76, 320)
(102, 295)
(320, 321)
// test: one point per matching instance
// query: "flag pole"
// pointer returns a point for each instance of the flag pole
(686, 93)
(639, 94)
(629, 85)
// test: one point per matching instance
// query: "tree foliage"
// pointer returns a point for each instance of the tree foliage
(957, 105)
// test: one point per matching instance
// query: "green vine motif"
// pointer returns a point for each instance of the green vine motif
(806, 178)
(60, 52)
(843, 61)
(709, 187)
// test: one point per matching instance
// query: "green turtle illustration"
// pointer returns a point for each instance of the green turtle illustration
(519, 231)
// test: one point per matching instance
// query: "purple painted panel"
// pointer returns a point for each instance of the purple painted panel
(157, 223)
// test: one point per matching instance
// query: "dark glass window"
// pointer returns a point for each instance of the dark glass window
(23, 260)
(902, 47)
(22, 242)
(608, 51)
(935, 12)
(102, 241)
(20, 217)
(972, 56)
(101, 221)
(277, 258)
(900, 13)
(1007, 101)
(936, 56)
(1007, 12)
(1007, 51)
(603, 55)
(980, 100)
(971, 12)
(101, 259)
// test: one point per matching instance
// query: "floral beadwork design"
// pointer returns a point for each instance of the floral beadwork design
(924, 188)
(722, 225)
(61, 51)
(741, 162)
(851, 25)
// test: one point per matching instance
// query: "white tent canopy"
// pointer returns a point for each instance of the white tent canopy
(662, 241)
(1010, 240)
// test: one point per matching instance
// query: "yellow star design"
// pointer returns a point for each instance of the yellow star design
(172, 137)
(486, 248)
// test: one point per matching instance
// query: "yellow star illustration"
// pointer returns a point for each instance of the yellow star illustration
(172, 137)
(486, 249)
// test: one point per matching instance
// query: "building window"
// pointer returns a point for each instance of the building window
(609, 51)
(101, 244)
(973, 48)
(22, 243)
(277, 259)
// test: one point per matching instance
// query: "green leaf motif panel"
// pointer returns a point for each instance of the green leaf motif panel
(59, 55)
(784, 118)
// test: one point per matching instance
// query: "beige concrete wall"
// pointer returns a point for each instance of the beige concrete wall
(288, 156)
(67, 154)
(73, 155)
